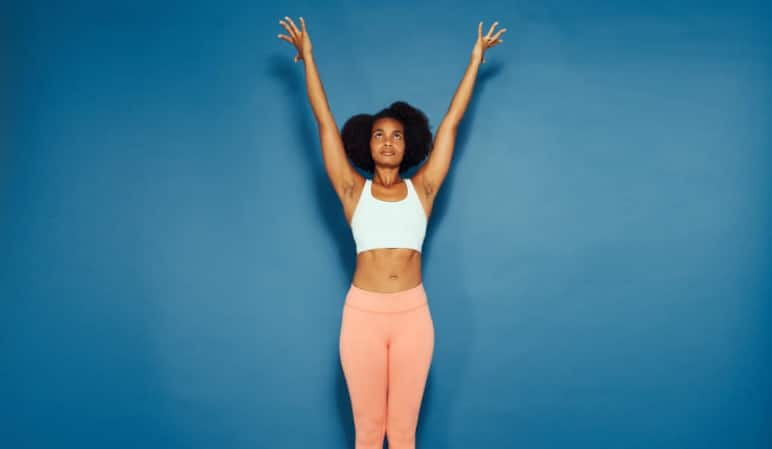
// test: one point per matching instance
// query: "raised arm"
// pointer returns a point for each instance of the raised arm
(341, 173)
(433, 172)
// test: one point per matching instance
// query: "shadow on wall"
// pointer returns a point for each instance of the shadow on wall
(328, 205)
(464, 331)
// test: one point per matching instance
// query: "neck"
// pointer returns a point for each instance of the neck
(386, 176)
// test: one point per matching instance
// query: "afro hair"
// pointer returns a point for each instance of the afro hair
(357, 130)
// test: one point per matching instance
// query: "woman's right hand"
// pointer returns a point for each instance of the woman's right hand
(298, 38)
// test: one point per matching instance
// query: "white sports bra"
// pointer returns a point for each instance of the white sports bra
(388, 224)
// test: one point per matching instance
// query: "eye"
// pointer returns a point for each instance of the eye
(397, 136)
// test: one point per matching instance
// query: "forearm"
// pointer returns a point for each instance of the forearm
(463, 94)
(316, 95)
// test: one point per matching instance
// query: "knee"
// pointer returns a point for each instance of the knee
(401, 435)
(369, 432)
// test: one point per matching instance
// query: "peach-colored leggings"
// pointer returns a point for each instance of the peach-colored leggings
(386, 346)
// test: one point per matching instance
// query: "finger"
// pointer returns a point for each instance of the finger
(286, 38)
(496, 36)
(303, 25)
(297, 31)
(288, 28)
(496, 43)
(492, 27)
(479, 31)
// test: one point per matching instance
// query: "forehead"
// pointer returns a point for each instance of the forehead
(387, 124)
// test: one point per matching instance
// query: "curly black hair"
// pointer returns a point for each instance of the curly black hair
(357, 130)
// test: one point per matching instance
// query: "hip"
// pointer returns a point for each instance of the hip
(386, 302)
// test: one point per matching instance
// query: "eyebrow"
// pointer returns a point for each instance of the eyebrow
(381, 129)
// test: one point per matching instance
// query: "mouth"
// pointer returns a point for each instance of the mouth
(388, 152)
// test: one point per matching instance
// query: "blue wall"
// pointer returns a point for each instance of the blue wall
(175, 260)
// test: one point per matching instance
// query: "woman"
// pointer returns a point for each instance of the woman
(387, 334)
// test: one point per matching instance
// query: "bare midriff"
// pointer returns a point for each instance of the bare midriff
(388, 270)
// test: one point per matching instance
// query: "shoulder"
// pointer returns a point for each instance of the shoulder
(420, 186)
(352, 197)
(355, 185)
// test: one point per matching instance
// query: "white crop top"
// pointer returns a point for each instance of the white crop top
(388, 224)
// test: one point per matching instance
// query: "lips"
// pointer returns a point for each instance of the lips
(388, 152)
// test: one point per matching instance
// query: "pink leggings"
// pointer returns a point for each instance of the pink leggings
(386, 346)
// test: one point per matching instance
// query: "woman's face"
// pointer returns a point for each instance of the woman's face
(387, 142)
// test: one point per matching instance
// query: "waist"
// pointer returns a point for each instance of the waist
(387, 270)
(400, 301)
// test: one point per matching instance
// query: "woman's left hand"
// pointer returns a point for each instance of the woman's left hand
(485, 42)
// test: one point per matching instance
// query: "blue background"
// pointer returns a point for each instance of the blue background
(174, 259)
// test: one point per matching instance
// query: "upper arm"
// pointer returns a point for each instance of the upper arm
(432, 174)
(342, 175)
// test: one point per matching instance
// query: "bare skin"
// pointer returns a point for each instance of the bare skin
(386, 270)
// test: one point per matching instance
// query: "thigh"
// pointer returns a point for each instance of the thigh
(410, 356)
(363, 356)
